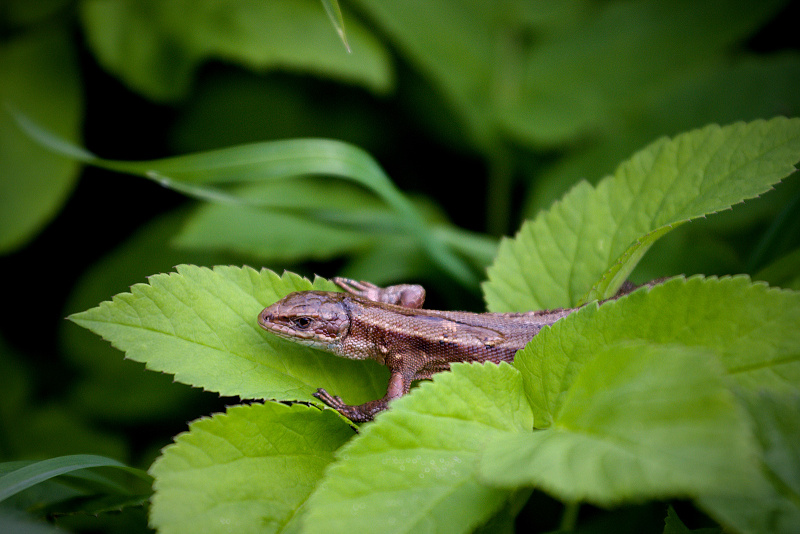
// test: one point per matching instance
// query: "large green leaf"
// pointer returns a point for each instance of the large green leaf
(413, 469)
(547, 73)
(612, 59)
(249, 470)
(754, 330)
(155, 46)
(771, 503)
(34, 182)
(600, 233)
(637, 422)
(201, 325)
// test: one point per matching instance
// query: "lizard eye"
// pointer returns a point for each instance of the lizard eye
(301, 322)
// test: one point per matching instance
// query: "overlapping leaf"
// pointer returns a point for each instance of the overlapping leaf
(155, 47)
(201, 325)
(637, 422)
(755, 331)
(208, 176)
(413, 469)
(249, 470)
(600, 233)
(771, 502)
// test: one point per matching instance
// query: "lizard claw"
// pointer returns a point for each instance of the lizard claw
(406, 295)
(362, 289)
(333, 401)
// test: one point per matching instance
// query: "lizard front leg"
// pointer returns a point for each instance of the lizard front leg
(398, 386)
(406, 295)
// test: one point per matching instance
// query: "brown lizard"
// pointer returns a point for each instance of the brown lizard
(389, 325)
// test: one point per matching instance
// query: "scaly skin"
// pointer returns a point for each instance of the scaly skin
(389, 325)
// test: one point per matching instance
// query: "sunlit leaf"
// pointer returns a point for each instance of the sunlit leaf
(201, 325)
(413, 469)
(600, 233)
(752, 328)
(637, 422)
(248, 470)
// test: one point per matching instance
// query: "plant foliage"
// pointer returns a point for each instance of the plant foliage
(651, 396)
(396, 142)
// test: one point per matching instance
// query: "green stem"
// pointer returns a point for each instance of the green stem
(570, 517)
(498, 197)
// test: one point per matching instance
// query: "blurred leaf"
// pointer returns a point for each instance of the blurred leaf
(34, 182)
(271, 236)
(24, 477)
(201, 325)
(19, 523)
(249, 470)
(547, 73)
(155, 46)
(600, 233)
(55, 429)
(261, 162)
(771, 503)
(615, 57)
(751, 327)
(784, 272)
(674, 525)
(423, 452)
(30, 428)
(307, 218)
(335, 14)
(451, 42)
(21, 13)
(749, 89)
(233, 106)
(637, 422)
(105, 376)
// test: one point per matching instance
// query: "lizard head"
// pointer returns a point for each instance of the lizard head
(318, 319)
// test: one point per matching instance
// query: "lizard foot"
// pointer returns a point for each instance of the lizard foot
(358, 414)
(406, 295)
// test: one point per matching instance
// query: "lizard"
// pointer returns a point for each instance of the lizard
(390, 326)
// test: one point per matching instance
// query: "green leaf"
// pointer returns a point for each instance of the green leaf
(674, 525)
(785, 272)
(21, 524)
(612, 60)
(34, 182)
(771, 502)
(249, 470)
(751, 327)
(601, 233)
(155, 47)
(201, 325)
(413, 469)
(751, 88)
(546, 73)
(335, 14)
(31, 474)
(637, 422)
(103, 376)
(333, 216)
(193, 174)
